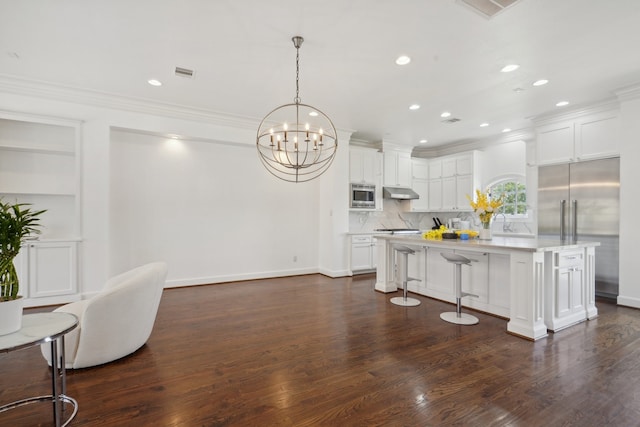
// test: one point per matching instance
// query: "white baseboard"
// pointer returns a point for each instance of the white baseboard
(176, 283)
(629, 301)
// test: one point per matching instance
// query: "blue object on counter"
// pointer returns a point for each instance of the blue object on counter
(464, 236)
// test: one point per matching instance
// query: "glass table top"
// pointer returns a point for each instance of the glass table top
(38, 328)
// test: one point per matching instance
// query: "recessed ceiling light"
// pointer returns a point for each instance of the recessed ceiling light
(154, 82)
(403, 60)
(509, 68)
(562, 103)
(445, 114)
(540, 82)
(414, 107)
(423, 141)
(313, 113)
(484, 125)
(506, 130)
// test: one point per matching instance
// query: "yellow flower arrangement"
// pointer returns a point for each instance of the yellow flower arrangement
(437, 233)
(484, 207)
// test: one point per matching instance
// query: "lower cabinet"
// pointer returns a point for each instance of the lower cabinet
(488, 277)
(565, 293)
(475, 278)
(439, 276)
(363, 253)
(48, 272)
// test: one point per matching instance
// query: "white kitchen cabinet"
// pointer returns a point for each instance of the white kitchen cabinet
(435, 194)
(397, 169)
(475, 279)
(435, 168)
(420, 184)
(565, 291)
(464, 187)
(449, 195)
(451, 179)
(591, 136)
(555, 143)
(439, 276)
(449, 166)
(48, 272)
(365, 166)
(363, 253)
(419, 168)
(499, 284)
(598, 136)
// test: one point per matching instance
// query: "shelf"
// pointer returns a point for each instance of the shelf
(36, 193)
(38, 150)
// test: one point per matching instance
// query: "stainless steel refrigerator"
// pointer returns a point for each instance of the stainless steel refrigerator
(581, 201)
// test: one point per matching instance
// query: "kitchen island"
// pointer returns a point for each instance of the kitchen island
(538, 285)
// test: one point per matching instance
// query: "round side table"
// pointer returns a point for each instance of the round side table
(40, 328)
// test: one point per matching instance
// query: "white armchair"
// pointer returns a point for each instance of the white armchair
(117, 321)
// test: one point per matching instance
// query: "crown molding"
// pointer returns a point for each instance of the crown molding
(58, 92)
(628, 93)
(470, 145)
(609, 104)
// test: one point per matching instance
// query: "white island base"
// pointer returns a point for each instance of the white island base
(539, 285)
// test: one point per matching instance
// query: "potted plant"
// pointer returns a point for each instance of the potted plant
(17, 223)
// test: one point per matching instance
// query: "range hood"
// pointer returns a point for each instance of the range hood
(399, 193)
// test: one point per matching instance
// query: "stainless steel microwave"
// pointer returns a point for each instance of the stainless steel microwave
(363, 196)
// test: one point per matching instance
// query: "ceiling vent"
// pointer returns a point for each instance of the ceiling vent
(488, 8)
(451, 120)
(184, 72)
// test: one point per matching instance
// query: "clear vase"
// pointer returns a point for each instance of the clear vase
(8, 279)
(485, 231)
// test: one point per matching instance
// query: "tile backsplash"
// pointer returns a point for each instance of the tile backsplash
(393, 216)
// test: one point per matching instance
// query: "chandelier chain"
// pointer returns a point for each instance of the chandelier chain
(297, 98)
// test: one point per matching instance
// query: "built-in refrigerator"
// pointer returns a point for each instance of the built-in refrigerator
(581, 201)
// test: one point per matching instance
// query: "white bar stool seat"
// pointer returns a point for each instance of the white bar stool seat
(403, 253)
(458, 317)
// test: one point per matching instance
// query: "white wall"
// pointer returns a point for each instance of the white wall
(629, 290)
(211, 210)
(502, 161)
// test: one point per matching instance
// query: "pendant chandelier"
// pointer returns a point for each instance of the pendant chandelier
(297, 142)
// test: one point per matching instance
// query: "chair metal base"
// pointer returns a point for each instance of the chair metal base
(408, 302)
(461, 319)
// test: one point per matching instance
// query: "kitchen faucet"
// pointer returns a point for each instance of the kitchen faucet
(505, 228)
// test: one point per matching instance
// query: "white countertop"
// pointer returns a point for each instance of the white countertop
(495, 244)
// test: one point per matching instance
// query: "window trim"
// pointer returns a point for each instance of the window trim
(520, 179)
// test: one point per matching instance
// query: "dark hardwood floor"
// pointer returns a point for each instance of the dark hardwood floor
(314, 351)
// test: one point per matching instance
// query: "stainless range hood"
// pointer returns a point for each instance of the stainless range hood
(399, 193)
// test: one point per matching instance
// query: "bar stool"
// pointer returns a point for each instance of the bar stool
(458, 316)
(402, 255)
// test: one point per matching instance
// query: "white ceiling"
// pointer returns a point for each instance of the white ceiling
(244, 59)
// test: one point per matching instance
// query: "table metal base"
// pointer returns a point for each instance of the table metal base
(47, 398)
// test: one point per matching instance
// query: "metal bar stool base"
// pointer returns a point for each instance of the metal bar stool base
(406, 302)
(459, 319)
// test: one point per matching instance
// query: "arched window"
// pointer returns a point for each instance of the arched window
(514, 196)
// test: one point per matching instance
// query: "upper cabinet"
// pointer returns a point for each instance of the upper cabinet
(365, 165)
(420, 184)
(451, 179)
(397, 168)
(587, 137)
